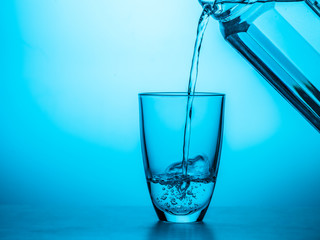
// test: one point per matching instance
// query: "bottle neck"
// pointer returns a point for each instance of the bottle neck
(226, 11)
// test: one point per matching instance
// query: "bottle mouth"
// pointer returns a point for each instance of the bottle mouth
(222, 10)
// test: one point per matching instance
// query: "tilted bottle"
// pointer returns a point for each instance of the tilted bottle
(281, 40)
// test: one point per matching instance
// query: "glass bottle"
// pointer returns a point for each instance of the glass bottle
(281, 40)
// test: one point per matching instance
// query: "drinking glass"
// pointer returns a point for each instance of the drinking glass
(181, 192)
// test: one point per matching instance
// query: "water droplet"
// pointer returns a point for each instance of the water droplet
(164, 197)
(173, 201)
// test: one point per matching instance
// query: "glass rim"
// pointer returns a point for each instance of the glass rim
(181, 94)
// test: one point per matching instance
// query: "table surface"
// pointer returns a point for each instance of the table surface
(27, 222)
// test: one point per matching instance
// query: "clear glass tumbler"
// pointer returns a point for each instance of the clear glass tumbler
(177, 195)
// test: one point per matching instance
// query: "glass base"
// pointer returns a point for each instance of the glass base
(193, 217)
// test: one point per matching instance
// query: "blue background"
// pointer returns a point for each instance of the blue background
(70, 73)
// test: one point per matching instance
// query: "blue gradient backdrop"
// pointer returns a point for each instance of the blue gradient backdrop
(70, 73)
